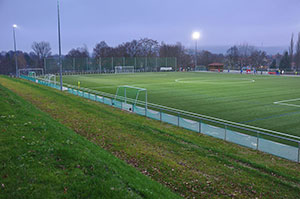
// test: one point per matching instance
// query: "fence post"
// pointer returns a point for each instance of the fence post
(298, 152)
(45, 64)
(125, 98)
(146, 102)
(257, 139)
(200, 126)
(87, 63)
(100, 64)
(160, 115)
(112, 64)
(225, 133)
(178, 119)
(73, 60)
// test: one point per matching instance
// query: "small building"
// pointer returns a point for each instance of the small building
(217, 67)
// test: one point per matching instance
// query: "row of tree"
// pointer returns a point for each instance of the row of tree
(246, 55)
(33, 59)
(236, 57)
(292, 58)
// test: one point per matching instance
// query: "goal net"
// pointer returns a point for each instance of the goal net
(50, 78)
(200, 68)
(131, 98)
(124, 69)
(31, 72)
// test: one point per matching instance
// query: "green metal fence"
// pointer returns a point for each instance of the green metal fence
(107, 64)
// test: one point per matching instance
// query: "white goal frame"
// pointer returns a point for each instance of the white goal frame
(48, 78)
(133, 101)
(124, 69)
(27, 70)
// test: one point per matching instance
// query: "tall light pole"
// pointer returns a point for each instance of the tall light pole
(196, 36)
(15, 47)
(59, 47)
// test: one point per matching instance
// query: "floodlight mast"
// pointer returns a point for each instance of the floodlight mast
(196, 36)
(59, 44)
(15, 48)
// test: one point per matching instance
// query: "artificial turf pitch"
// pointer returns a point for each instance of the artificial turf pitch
(242, 98)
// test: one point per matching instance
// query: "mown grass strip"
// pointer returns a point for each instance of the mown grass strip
(41, 158)
(191, 164)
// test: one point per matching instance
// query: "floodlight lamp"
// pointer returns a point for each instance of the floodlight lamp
(15, 26)
(196, 35)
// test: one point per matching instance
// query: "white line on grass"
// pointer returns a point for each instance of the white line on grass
(217, 119)
(290, 100)
(193, 80)
(284, 102)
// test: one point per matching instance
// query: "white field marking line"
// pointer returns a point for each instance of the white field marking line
(130, 85)
(102, 87)
(221, 120)
(290, 100)
(182, 80)
(284, 102)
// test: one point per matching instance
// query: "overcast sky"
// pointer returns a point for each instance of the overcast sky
(221, 22)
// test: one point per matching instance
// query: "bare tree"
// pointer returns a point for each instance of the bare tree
(80, 52)
(42, 50)
(233, 56)
(133, 48)
(245, 52)
(167, 50)
(102, 50)
(178, 51)
(149, 47)
(258, 58)
(285, 63)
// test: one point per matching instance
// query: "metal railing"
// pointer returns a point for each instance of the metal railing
(278, 144)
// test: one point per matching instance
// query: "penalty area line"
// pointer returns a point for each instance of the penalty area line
(284, 102)
(289, 100)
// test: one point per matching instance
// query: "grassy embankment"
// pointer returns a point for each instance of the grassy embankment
(191, 164)
(41, 158)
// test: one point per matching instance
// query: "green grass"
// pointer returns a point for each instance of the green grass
(41, 158)
(190, 164)
(246, 99)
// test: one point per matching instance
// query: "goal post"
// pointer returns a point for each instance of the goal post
(124, 69)
(131, 95)
(32, 72)
(50, 78)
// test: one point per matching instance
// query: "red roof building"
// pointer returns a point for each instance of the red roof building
(218, 67)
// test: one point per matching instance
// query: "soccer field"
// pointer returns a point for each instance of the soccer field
(269, 102)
